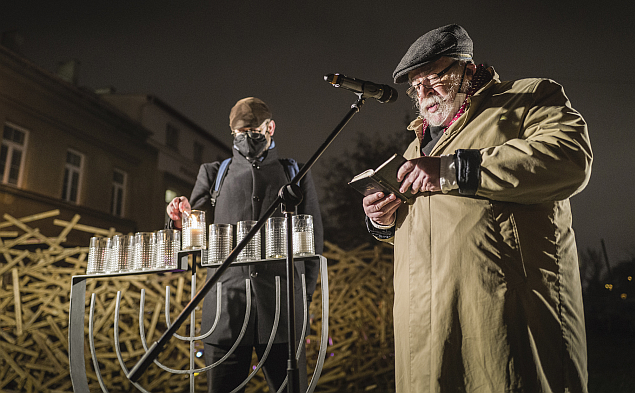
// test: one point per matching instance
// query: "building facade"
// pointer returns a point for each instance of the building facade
(182, 145)
(110, 159)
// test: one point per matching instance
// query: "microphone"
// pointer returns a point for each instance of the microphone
(382, 93)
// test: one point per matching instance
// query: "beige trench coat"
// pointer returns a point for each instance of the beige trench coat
(487, 288)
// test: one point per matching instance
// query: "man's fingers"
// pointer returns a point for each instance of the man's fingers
(386, 207)
(182, 204)
(374, 204)
(406, 168)
(407, 182)
(373, 198)
(177, 206)
(382, 203)
(392, 207)
(387, 215)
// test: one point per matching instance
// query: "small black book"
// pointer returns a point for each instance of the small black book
(383, 179)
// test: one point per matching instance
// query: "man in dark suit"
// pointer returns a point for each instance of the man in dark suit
(251, 184)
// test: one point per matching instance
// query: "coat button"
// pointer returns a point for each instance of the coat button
(254, 274)
(256, 198)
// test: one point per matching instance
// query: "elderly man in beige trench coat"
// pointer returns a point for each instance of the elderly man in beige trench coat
(487, 287)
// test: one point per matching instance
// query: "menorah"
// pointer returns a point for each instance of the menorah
(187, 262)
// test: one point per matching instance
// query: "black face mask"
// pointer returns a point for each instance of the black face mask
(250, 145)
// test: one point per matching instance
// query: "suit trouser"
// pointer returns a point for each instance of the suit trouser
(234, 370)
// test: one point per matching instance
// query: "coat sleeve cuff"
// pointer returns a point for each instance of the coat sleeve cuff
(468, 170)
(447, 174)
(378, 233)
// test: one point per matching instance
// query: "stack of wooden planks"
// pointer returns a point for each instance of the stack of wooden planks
(360, 356)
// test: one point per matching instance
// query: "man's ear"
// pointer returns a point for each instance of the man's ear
(271, 127)
(470, 70)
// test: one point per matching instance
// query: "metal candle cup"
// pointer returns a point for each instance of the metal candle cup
(98, 252)
(168, 245)
(220, 243)
(120, 259)
(251, 252)
(276, 238)
(194, 230)
(144, 250)
(303, 237)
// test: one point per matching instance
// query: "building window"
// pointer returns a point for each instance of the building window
(169, 195)
(198, 153)
(172, 137)
(72, 176)
(118, 196)
(12, 154)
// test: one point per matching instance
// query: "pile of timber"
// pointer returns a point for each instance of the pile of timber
(35, 281)
(360, 355)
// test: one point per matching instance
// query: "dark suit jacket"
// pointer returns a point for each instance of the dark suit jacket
(246, 193)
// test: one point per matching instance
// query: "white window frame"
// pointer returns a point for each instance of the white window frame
(122, 187)
(12, 147)
(72, 169)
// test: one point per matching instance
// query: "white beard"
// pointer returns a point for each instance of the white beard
(446, 108)
(443, 113)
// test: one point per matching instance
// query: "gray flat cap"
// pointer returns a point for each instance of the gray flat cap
(451, 41)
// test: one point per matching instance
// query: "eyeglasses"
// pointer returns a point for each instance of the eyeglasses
(433, 79)
(251, 131)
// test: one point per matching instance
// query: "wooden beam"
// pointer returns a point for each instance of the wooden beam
(40, 339)
(16, 242)
(62, 236)
(34, 232)
(11, 362)
(155, 318)
(17, 303)
(33, 217)
(13, 262)
(87, 228)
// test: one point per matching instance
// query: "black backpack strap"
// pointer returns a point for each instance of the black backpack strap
(220, 176)
(291, 167)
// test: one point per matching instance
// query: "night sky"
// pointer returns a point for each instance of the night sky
(202, 56)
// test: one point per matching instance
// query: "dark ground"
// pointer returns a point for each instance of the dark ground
(611, 345)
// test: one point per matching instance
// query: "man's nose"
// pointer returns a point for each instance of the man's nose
(427, 91)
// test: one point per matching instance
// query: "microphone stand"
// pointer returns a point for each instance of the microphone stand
(288, 195)
(291, 195)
